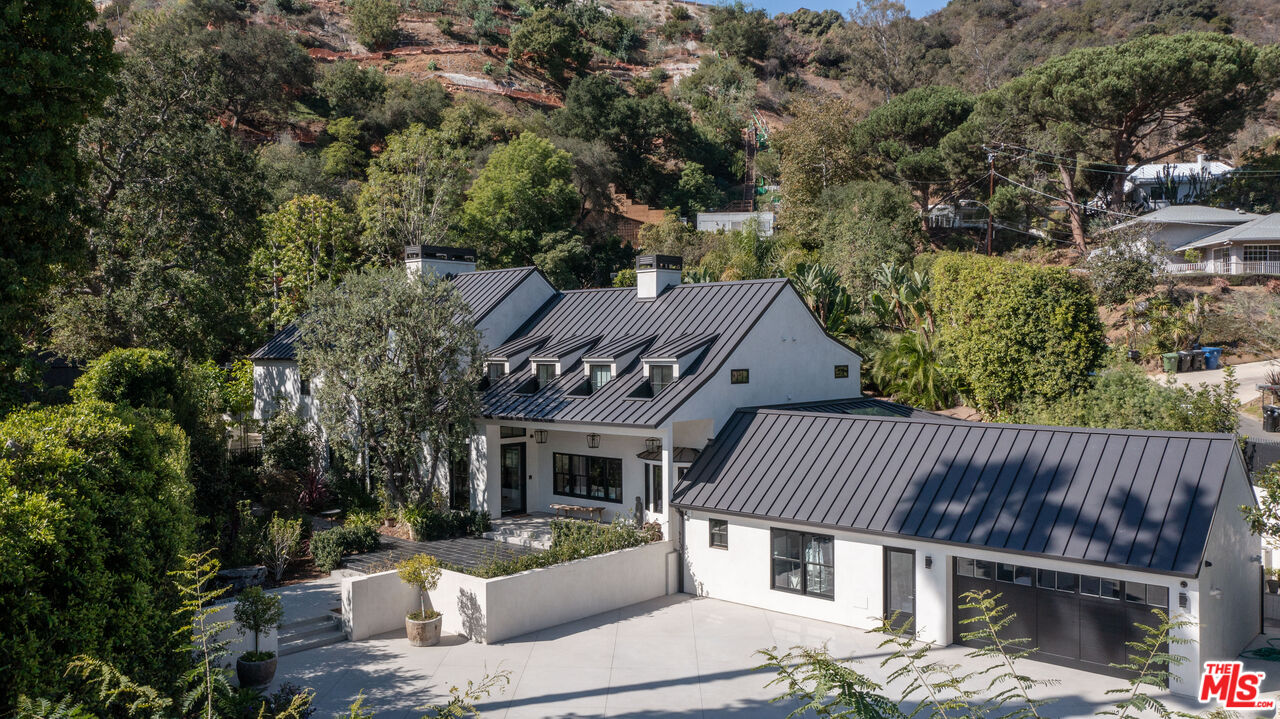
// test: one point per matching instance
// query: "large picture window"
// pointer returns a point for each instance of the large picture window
(803, 563)
(1262, 253)
(576, 475)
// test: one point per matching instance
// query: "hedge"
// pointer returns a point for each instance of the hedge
(95, 511)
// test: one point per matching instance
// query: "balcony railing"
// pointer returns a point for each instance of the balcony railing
(1225, 267)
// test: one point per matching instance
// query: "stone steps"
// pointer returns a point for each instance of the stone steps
(310, 633)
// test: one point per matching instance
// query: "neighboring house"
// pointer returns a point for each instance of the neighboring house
(1174, 227)
(1152, 187)
(848, 519)
(1251, 247)
(730, 221)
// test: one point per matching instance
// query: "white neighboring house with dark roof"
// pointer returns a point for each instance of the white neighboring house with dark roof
(850, 518)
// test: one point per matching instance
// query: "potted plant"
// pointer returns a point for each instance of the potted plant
(257, 612)
(422, 572)
(1273, 580)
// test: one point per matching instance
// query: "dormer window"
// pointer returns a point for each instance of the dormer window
(496, 371)
(600, 375)
(545, 372)
(660, 375)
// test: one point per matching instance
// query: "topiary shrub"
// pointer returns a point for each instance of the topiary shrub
(326, 549)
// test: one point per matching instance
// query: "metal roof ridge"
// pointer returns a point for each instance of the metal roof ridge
(996, 425)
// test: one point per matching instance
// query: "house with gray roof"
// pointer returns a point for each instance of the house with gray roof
(725, 413)
(1251, 247)
(853, 516)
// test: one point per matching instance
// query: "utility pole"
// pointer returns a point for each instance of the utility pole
(991, 190)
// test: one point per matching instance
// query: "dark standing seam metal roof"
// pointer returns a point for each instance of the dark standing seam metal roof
(482, 291)
(562, 347)
(1138, 500)
(726, 309)
(679, 346)
(617, 348)
(869, 406)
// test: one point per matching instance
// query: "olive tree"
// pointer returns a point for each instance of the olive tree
(396, 363)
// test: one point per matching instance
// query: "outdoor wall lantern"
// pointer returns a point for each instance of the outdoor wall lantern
(593, 441)
(540, 436)
(928, 562)
(653, 444)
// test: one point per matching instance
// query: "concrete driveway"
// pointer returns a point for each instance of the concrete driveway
(675, 656)
(1249, 375)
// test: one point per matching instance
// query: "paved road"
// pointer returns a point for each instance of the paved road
(676, 656)
(1249, 375)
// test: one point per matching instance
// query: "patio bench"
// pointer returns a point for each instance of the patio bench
(568, 510)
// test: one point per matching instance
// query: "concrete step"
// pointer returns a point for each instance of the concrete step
(311, 632)
(524, 538)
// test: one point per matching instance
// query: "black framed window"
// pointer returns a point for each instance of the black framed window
(496, 371)
(460, 480)
(660, 375)
(803, 563)
(546, 373)
(719, 529)
(842, 371)
(510, 432)
(304, 386)
(577, 475)
(600, 375)
(653, 487)
(739, 376)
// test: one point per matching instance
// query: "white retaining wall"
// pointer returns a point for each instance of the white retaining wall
(490, 610)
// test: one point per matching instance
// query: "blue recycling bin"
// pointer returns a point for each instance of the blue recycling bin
(1212, 357)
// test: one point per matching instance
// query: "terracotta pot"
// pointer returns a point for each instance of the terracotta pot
(424, 633)
(255, 674)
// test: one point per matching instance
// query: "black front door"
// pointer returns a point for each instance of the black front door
(900, 588)
(513, 479)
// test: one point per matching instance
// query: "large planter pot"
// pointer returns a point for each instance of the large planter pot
(256, 674)
(1273, 586)
(423, 633)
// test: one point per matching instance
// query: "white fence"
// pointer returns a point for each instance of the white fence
(490, 610)
(1225, 267)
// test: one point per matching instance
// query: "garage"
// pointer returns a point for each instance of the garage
(1077, 620)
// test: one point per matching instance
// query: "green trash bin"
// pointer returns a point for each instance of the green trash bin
(1170, 362)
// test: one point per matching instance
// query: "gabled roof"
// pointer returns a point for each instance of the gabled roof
(1264, 228)
(612, 350)
(482, 291)
(564, 346)
(727, 310)
(516, 346)
(1139, 500)
(1196, 214)
(678, 347)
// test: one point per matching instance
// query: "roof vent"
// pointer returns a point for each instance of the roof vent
(440, 261)
(655, 273)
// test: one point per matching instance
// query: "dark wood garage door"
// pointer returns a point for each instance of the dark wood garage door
(1075, 620)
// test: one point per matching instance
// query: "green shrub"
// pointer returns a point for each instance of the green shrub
(375, 22)
(95, 511)
(1015, 331)
(429, 524)
(571, 539)
(326, 549)
(360, 539)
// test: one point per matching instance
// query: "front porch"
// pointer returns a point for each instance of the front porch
(1224, 267)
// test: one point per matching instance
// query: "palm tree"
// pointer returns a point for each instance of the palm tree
(908, 368)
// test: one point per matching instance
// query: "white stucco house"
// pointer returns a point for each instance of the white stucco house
(1160, 185)
(724, 412)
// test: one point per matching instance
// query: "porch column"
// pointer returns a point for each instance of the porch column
(487, 488)
(668, 477)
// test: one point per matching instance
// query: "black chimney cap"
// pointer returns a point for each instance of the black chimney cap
(659, 262)
(452, 254)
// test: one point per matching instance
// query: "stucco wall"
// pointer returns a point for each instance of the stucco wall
(790, 359)
(741, 574)
(274, 379)
(1230, 594)
(490, 610)
(503, 320)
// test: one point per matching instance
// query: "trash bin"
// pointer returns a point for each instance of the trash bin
(1135, 356)
(1212, 357)
(1170, 362)
(1197, 359)
(1270, 418)
(1184, 360)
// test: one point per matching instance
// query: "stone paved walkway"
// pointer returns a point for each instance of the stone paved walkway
(463, 552)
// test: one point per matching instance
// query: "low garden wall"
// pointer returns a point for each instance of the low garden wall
(490, 610)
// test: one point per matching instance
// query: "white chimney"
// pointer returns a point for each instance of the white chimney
(439, 261)
(655, 273)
